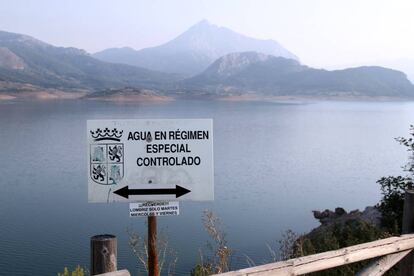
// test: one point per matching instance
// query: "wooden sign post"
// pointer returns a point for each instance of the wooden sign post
(153, 268)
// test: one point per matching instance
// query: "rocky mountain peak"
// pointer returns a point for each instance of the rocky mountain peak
(194, 50)
(235, 62)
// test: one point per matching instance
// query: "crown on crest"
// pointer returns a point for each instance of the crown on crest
(107, 134)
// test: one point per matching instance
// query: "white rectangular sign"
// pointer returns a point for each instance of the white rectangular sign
(154, 208)
(150, 160)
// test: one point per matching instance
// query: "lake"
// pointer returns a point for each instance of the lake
(274, 164)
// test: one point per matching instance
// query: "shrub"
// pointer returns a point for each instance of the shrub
(392, 203)
(219, 261)
(77, 272)
(336, 236)
(393, 187)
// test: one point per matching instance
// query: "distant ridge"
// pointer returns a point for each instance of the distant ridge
(30, 68)
(26, 60)
(259, 73)
(193, 51)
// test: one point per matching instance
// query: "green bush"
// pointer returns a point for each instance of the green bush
(336, 236)
(392, 203)
(392, 189)
(77, 272)
(202, 270)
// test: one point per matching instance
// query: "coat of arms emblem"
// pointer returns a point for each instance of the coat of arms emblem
(106, 156)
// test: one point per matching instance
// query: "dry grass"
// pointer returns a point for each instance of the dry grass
(139, 247)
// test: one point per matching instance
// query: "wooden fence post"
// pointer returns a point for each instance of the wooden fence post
(407, 264)
(103, 254)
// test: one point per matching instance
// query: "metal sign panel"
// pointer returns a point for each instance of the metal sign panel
(150, 160)
(154, 208)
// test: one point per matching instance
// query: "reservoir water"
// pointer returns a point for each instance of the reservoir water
(274, 164)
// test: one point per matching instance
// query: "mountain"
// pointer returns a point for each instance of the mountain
(46, 71)
(269, 75)
(405, 65)
(26, 60)
(193, 51)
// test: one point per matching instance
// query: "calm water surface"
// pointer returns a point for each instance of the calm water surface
(274, 164)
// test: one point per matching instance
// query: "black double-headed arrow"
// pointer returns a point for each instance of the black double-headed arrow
(126, 192)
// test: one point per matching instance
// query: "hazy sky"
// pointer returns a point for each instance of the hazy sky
(321, 32)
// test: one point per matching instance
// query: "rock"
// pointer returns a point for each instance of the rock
(340, 211)
(354, 212)
(317, 214)
(372, 215)
(327, 217)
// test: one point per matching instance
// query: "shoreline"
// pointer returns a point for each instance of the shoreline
(49, 95)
